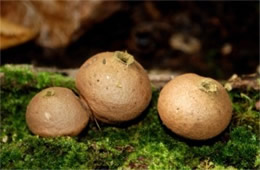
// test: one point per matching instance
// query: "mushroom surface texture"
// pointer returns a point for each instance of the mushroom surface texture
(56, 111)
(195, 107)
(115, 86)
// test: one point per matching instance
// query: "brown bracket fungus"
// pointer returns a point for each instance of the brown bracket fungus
(56, 111)
(115, 86)
(195, 107)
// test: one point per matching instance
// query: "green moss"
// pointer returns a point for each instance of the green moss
(245, 111)
(34, 152)
(23, 77)
(140, 144)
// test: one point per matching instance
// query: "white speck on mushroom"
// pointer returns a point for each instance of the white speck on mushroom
(47, 115)
(107, 77)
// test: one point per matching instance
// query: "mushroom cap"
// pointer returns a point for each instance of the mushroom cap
(56, 111)
(195, 107)
(115, 86)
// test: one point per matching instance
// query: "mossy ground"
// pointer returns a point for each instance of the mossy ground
(140, 144)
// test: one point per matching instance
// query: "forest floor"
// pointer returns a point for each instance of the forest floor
(144, 143)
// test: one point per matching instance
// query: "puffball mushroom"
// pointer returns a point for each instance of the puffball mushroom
(56, 111)
(195, 107)
(114, 86)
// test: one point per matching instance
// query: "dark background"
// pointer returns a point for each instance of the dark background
(145, 31)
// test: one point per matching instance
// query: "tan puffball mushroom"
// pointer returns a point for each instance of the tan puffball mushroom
(115, 86)
(195, 107)
(56, 111)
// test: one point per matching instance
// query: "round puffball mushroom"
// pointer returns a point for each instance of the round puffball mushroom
(56, 111)
(195, 107)
(115, 86)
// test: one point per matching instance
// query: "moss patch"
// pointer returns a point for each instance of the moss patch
(142, 143)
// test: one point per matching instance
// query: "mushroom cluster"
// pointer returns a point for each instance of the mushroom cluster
(114, 88)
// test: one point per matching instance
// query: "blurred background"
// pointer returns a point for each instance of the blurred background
(213, 39)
